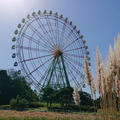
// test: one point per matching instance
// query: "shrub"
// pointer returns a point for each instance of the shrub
(5, 107)
(23, 103)
(13, 103)
(35, 104)
(73, 108)
(18, 103)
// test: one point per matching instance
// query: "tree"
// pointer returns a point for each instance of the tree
(48, 95)
(18, 103)
(85, 99)
(62, 95)
(5, 87)
(11, 87)
(21, 87)
(65, 95)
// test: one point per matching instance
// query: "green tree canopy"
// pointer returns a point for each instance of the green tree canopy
(11, 87)
(64, 96)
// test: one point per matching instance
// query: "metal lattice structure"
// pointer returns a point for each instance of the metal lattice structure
(50, 50)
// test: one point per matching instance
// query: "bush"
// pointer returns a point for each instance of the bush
(13, 103)
(18, 103)
(73, 108)
(59, 109)
(35, 105)
(5, 107)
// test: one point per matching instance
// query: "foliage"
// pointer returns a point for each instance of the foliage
(18, 103)
(73, 108)
(5, 107)
(10, 87)
(97, 102)
(62, 96)
(36, 105)
(5, 87)
(85, 99)
(13, 103)
(65, 96)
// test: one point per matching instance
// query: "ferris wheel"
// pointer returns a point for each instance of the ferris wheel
(50, 51)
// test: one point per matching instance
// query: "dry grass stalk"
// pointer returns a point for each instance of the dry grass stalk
(76, 96)
(107, 80)
(89, 77)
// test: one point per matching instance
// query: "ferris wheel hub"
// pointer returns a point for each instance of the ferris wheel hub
(57, 53)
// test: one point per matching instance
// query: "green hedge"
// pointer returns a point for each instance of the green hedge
(18, 103)
(4, 106)
(73, 108)
(35, 105)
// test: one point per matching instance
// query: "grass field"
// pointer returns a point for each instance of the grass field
(36, 115)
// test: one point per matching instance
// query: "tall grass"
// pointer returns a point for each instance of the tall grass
(107, 81)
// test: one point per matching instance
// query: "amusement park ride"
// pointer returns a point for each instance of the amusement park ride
(50, 51)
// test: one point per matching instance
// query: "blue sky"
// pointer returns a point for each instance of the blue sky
(98, 21)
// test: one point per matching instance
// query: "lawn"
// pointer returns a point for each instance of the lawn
(36, 115)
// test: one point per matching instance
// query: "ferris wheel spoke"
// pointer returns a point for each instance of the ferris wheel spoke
(62, 33)
(57, 30)
(35, 81)
(30, 38)
(31, 61)
(74, 68)
(74, 55)
(41, 25)
(37, 85)
(73, 77)
(33, 49)
(40, 36)
(71, 43)
(73, 61)
(74, 49)
(39, 67)
(25, 60)
(70, 73)
(34, 66)
(68, 36)
(40, 60)
(50, 68)
(81, 81)
(25, 67)
(44, 75)
(77, 71)
(35, 41)
(50, 28)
